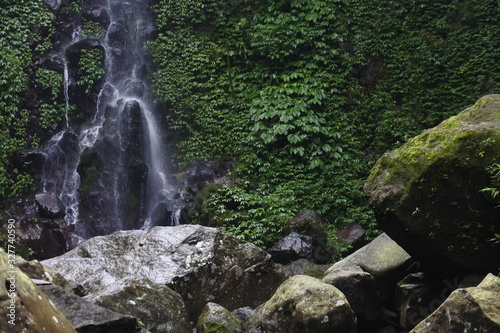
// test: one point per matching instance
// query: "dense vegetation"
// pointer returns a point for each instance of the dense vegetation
(305, 95)
(26, 27)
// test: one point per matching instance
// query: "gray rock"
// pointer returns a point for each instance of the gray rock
(49, 205)
(216, 318)
(384, 259)
(306, 305)
(55, 5)
(23, 305)
(201, 264)
(292, 247)
(352, 234)
(35, 270)
(305, 267)
(359, 288)
(87, 317)
(159, 308)
(472, 309)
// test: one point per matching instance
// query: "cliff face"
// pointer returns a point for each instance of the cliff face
(304, 95)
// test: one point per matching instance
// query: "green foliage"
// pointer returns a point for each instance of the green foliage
(494, 190)
(92, 29)
(91, 68)
(255, 216)
(25, 30)
(51, 110)
(21, 247)
(306, 94)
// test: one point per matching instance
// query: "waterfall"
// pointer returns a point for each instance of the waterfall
(111, 172)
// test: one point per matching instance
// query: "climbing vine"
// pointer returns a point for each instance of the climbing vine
(307, 94)
(26, 27)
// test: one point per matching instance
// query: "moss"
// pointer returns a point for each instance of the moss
(215, 328)
(456, 136)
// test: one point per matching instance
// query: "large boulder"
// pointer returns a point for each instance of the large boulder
(360, 290)
(292, 247)
(35, 270)
(159, 308)
(382, 258)
(304, 304)
(49, 205)
(23, 305)
(87, 317)
(472, 309)
(216, 318)
(202, 264)
(304, 267)
(427, 194)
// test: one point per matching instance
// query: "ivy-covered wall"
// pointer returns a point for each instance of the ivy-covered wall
(26, 27)
(307, 94)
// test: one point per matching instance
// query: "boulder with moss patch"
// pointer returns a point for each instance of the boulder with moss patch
(217, 319)
(304, 304)
(23, 305)
(427, 194)
(467, 310)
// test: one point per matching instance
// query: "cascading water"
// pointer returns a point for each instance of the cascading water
(111, 174)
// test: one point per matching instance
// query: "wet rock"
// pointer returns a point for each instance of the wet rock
(47, 238)
(292, 247)
(306, 305)
(201, 264)
(55, 5)
(162, 215)
(49, 205)
(472, 309)
(98, 14)
(427, 194)
(85, 316)
(23, 305)
(159, 308)
(215, 318)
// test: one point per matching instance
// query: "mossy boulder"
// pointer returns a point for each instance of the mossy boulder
(467, 310)
(304, 304)
(217, 319)
(23, 305)
(427, 194)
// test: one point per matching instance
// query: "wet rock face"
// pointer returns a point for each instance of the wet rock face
(427, 194)
(98, 166)
(49, 205)
(201, 264)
